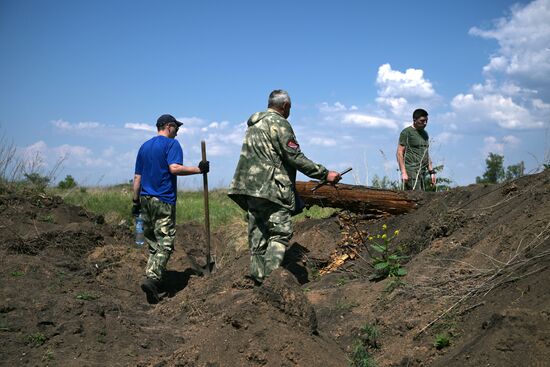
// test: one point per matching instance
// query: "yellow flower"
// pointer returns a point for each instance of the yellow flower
(384, 236)
(384, 227)
(371, 238)
(396, 232)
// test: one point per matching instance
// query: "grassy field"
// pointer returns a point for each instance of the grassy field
(115, 202)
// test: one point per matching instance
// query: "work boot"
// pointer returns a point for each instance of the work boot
(150, 287)
(253, 280)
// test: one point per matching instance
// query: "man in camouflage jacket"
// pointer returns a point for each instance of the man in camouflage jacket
(263, 184)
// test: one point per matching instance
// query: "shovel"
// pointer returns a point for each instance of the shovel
(210, 264)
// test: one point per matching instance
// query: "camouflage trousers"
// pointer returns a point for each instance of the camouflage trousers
(159, 222)
(416, 183)
(269, 232)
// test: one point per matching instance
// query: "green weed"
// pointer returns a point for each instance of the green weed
(442, 341)
(17, 273)
(345, 306)
(360, 356)
(46, 218)
(48, 356)
(314, 272)
(86, 296)
(101, 337)
(387, 261)
(370, 335)
(341, 281)
(314, 212)
(393, 284)
(4, 326)
(37, 339)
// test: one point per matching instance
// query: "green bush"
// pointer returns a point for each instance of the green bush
(37, 180)
(67, 183)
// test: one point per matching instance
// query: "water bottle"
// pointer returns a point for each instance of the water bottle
(140, 236)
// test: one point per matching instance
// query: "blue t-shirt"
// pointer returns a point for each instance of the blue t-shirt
(152, 163)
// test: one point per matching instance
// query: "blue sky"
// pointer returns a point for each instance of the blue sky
(84, 81)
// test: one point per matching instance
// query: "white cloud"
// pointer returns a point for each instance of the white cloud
(497, 146)
(35, 153)
(365, 120)
(224, 143)
(524, 39)
(506, 88)
(218, 125)
(215, 125)
(321, 141)
(109, 152)
(515, 92)
(191, 121)
(492, 145)
(67, 126)
(494, 108)
(399, 92)
(511, 140)
(44, 156)
(396, 91)
(397, 106)
(335, 107)
(447, 137)
(411, 83)
(191, 125)
(75, 151)
(140, 126)
(540, 105)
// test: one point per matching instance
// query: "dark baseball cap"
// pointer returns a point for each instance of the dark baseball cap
(168, 119)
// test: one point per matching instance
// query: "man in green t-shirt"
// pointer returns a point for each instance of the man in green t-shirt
(412, 153)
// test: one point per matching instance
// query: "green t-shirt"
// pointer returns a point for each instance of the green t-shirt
(416, 143)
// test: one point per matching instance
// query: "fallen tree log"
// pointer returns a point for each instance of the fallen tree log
(356, 198)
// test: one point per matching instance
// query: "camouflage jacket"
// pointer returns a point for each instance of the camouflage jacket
(269, 158)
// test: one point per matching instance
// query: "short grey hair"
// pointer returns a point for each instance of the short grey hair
(277, 98)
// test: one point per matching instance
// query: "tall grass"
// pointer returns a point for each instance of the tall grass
(222, 210)
(115, 204)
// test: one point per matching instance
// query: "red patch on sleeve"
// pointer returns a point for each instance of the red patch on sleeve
(292, 144)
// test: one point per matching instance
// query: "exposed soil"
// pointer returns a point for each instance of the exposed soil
(478, 273)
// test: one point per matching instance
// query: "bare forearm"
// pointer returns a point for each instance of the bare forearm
(180, 170)
(137, 187)
(401, 159)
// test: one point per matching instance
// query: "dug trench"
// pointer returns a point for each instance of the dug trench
(475, 293)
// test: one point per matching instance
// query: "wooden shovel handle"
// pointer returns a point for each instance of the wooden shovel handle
(206, 209)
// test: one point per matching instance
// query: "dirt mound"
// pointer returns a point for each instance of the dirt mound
(475, 293)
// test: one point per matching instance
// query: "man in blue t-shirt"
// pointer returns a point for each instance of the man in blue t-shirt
(158, 163)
